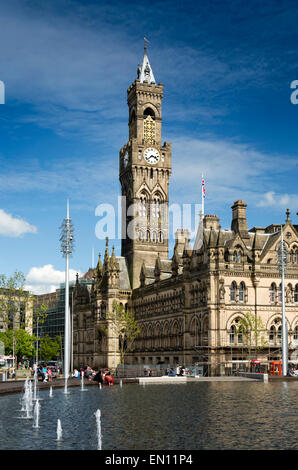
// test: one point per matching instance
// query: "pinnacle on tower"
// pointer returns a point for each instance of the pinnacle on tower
(145, 72)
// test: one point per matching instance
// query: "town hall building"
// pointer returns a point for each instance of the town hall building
(187, 304)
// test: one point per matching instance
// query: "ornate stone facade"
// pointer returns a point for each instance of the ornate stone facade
(187, 306)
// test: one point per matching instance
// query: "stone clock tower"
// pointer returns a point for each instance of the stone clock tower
(144, 172)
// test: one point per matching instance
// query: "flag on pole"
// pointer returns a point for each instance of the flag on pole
(200, 233)
(203, 187)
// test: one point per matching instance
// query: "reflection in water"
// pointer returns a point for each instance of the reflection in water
(207, 415)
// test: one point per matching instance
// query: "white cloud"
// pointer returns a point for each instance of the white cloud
(232, 171)
(46, 279)
(14, 227)
(271, 199)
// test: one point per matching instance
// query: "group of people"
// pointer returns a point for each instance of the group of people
(87, 372)
(46, 373)
(103, 376)
(178, 372)
(293, 372)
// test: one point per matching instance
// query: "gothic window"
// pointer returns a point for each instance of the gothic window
(205, 332)
(275, 332)
(272, 333)
(236, 333)
(294, 255)
(142, 206)
(241, 292)
(232, 334)
(237, 256)
(160, 237)
(149, 112)
(147, 236)
(279, 334)
(279, 294)
(155, 208)
(154, 237)
(296, 293)
(295, 334)
(233, 289)
(272, 291)
(141, 235)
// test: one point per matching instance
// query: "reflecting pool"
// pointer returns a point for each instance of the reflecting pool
(206, 415)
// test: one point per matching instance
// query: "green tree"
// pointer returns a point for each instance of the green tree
(253, 332)
(18, 308)
(123, 327)
(49, 348)
(19, 342)
(14, 301)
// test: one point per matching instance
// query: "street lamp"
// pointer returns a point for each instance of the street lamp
(282, 257)
(67, 242)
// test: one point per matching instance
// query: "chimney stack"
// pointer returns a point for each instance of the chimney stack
(239, 222)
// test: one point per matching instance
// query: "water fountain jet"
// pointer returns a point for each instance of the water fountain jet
(59, 430)
(98, 426)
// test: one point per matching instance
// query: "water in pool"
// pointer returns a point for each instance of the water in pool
(191, 416)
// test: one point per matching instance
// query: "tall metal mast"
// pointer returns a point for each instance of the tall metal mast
(282, 264)
(67, 243)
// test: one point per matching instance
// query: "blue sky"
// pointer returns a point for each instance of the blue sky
(226, 66)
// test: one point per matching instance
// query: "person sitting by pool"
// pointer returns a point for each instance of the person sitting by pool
(98, 378)
(108, 378)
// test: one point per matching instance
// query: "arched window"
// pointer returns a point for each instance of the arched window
(279, 293)
(235, 257)
(296, 293)
(272, 333)
(275, 332)
(279, 334)
(149, 112)
(233, 289)
(294, 255)
(147, 236)
(143, 206)
(240, 335)
(232, 334)
(296, 334)
(236, 332)
(155, 207)
(241, 292)
(272, 291)
(239, 257)
(154, 237)
(160, 237)
(141, 235)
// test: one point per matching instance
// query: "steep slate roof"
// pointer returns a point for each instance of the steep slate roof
(89, 274)
(124, 282)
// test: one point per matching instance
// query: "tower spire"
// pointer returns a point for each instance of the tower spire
(145, 72)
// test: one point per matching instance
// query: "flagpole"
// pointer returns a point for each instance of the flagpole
(203, 197)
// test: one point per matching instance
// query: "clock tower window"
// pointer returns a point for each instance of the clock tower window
(149, 112)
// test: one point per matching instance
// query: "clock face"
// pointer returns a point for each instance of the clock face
(125, 159)
(151, 155)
